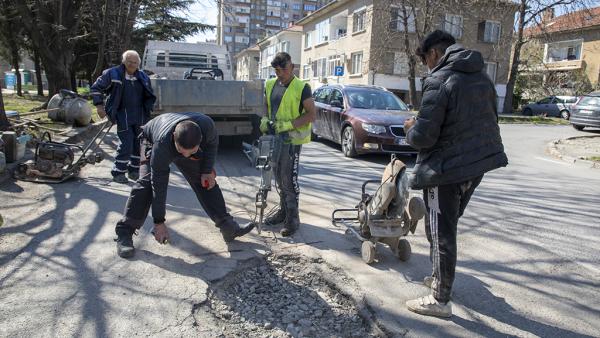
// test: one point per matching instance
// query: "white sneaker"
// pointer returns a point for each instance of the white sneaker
(429, 306)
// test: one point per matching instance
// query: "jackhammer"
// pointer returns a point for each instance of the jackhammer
(264, 155)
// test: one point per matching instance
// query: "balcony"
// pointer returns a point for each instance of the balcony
(564, 65)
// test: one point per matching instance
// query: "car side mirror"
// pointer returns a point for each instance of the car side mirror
(410, 106)
(337, 104)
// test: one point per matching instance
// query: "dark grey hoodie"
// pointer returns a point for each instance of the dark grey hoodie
(456, 131)
(159, 132)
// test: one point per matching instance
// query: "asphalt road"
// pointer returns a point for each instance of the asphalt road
(528, 260)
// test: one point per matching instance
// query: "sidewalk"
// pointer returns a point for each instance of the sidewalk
(584, 150)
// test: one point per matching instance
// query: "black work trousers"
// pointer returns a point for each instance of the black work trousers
(445, 205)
(286, 176)
(140, 198)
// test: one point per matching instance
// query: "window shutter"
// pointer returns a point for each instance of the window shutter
(394, 19)
(481, 31)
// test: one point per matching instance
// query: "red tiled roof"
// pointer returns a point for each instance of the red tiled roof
(584, 18)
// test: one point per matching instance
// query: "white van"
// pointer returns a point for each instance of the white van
(170, 60)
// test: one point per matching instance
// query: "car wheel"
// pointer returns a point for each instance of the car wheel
(578, 127)
(527, 112)
(565, 114)
(348, 142)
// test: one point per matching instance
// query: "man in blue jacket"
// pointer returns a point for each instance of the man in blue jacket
(458, 138)
(129, 104)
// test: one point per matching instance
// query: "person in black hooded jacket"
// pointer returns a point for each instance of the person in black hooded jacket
(458, 138)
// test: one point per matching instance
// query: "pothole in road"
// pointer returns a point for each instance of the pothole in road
(283, 296)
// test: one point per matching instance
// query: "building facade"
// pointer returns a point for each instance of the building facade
(287, 40)
(247, 64)
(242, 23)
(565, 53)
(368, 38)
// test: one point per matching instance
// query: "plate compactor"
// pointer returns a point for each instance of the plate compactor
(54, 162)
(386, 215)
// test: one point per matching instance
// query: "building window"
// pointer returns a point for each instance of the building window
(314, 69)
(489, 31)
(322, 30)
(358, 21)
(306, 72)
(310, 8)
(357, 59)
(490, 69)
(332, 62)
(307, 40)
(227, 38)
(453, 24)
(400, 63)
(285, 46)
(398, 18)
(563, 51)
(243, 19)
(296, 7)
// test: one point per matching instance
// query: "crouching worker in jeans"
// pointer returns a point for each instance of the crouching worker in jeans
(190, 141)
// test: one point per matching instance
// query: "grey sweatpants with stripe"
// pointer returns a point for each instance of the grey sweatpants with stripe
(445, 205)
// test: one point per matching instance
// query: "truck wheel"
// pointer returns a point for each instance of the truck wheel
(565, 114)
(578, 127)
(527, 112)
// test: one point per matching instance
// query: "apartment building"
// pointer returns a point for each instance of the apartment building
(242, 23)
(367, 38)
(247, 64)
(565, 53)
(288, 40)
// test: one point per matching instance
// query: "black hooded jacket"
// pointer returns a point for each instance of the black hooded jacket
(456, 131)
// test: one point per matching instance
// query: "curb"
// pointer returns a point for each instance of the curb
(552, 149)
(75, 135)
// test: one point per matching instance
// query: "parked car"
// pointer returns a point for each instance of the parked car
(362, 118)
(586, 113)
(557, 106)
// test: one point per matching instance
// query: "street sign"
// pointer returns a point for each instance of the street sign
(339, 70)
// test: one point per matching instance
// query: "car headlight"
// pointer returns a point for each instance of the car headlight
(373, 128)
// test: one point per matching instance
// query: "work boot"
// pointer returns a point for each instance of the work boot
(429, 306)
(124, 241)
(133, 175)
(120, 178)
(277, 218)
(292, 223)
(232, 230)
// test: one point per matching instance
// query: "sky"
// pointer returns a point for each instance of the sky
(203, 11)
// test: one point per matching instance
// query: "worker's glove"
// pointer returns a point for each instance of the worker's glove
(283, 126)
(264, 124)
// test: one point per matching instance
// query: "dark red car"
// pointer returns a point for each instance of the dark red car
(362, 118)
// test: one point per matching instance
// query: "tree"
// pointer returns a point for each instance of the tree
(53, 28)
(10, 38)
(4, 124)
(531, 13)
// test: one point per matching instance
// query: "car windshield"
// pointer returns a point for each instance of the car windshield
(590, 101)
(367, 98)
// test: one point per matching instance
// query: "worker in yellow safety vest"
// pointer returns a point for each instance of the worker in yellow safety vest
(290, 112)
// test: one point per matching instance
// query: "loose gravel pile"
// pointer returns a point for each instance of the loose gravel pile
(285, 296)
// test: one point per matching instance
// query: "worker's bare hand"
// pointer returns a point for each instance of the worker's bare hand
(100, 110)
(208, 181)
(409, 123)
(161, 234)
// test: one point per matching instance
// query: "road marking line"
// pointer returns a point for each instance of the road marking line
(548, 160)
